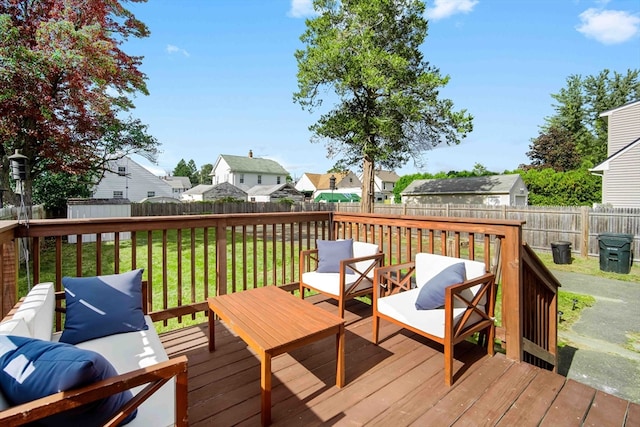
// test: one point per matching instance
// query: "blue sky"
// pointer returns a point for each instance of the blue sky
(221, 75)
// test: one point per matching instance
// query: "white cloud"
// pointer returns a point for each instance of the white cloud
(301, 8)
(171, 49)
(609, 26)
(446, 8)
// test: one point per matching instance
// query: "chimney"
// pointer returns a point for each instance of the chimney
(250, 154)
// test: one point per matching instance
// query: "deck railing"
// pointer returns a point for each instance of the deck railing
(189, 258)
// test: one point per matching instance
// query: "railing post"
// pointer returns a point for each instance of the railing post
(221, 257)
(512, 292)
(9, 277)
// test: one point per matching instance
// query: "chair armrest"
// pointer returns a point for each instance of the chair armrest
(351, 262)
(392, 279)
(155, 376)
(455, 292)
(306, 258)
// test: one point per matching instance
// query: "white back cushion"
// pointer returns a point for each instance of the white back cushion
(428, 265)
(37, 310)
(361, 249)
(15, 327)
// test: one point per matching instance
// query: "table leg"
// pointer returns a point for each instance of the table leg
(212, 338)
(340, 375)
(265, 385)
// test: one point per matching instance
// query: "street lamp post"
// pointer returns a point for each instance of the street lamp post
(332, 185)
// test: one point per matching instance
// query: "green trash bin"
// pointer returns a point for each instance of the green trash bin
(615, 252)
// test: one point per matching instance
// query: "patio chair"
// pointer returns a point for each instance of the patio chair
(343, 269)
(450, 300)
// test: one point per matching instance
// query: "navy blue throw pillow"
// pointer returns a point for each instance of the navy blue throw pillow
(102, 305)
(31, 368)
(431, 294)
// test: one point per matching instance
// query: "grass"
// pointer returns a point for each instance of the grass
(590, 266)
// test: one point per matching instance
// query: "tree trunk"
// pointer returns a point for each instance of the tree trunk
(368, 193)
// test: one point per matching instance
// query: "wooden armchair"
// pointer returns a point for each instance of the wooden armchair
(354, 279)
(468, 306)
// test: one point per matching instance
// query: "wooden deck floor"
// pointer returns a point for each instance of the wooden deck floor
(398, 383)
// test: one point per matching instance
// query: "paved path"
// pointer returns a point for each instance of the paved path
(598, 354)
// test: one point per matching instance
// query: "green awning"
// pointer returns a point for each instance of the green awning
(337, 197)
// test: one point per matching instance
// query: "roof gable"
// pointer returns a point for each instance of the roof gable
(605, 164)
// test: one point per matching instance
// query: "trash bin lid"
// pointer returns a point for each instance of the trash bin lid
(625, 236)
(560, 243)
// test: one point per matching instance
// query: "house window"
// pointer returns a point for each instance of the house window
(241, 178)
(351, 180)
(278, 180)
(259, 179)
(122, 170)
(117, 195)
(151, 194)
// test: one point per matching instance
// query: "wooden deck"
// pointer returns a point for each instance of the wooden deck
(400, 382)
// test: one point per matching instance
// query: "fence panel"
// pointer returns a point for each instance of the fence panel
(579, 225)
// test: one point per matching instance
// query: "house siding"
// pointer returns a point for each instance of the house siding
(135, 184)
(621, 183)
(624, 127)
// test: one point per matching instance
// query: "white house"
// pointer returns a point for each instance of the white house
(384, 182)
(494, 190)
(621, 170)
(127, 179)
(246, 172)
(179, 184)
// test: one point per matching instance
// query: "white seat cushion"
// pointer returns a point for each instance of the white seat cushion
(37, 310)
(329, 283)
(134, 350)
(401, 306)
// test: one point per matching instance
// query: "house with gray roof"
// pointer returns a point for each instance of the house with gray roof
(246, 172)
(179, 184)
(208, 193)
(274, 193)
(494, 190)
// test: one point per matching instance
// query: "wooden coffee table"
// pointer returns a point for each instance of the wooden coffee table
(272, 321)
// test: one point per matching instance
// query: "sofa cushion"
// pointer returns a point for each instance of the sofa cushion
(37, 310)
(331, 252)
(401, 307)
(135, 350)
(33, 368)
(102, 305)
(431, 294)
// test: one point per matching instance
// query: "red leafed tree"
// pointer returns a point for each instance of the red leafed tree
(66, 85)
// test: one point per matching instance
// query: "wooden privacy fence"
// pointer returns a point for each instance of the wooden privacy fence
(579, 225)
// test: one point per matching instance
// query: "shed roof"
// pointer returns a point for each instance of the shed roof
(267, 190)
(494, 184)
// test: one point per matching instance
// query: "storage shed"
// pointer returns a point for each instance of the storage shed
(494, 190)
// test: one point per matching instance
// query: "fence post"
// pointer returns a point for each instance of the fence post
(584, 246)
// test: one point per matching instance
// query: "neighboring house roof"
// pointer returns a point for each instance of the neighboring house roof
(178, 181)
(252, 165)
(160, 199)
(494, 184)
(622, 107)
(267, 190)
(217, 191)
(604, 166)
(337, 197)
